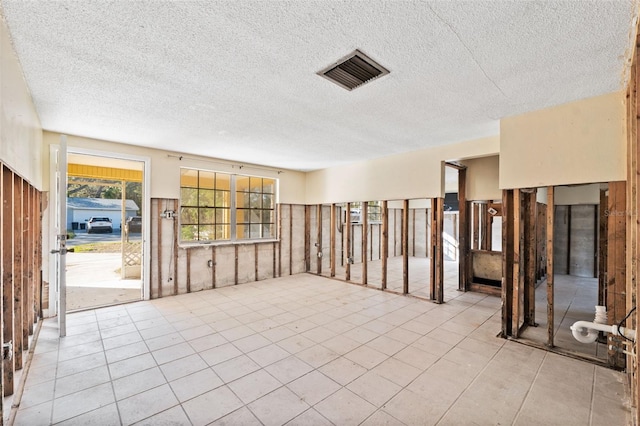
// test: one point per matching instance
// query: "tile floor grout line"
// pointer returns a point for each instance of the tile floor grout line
(104, 353)
(475, 379)
(526, 395)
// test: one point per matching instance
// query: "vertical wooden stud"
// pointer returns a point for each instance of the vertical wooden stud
(385, 243)
(530, 247)
(174, 223)
(568, 264)
(235, 261)
(255, 264)
(7, 275)
(518, 269)
(290, 239)
(307, 238)
(365, 242)
(213, 267)
(437, 252)
(616, 267)
(347, 268)
(602, 247)
(464, 261)
(159, 245)
(188, 254)
(507, 261)
(18, 283)
(275, 249)
(550, 267)
(476, 226)
(332, 243)
(319, 239)
(279, 213)
(405, 247)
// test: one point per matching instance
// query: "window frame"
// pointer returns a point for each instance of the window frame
(233, 208)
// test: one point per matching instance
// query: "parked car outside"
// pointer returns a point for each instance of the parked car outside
(134, 225)
(99, 224)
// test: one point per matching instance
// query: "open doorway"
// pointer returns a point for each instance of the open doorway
(105, 212)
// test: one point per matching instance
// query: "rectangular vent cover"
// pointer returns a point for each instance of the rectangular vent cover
(353, 71)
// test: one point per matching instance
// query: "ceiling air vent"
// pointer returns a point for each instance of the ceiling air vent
(353, 71)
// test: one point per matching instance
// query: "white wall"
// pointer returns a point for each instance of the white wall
(20, 130)
(483, 178)
(411, 175)
(579, 142)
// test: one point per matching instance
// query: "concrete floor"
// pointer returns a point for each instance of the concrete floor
(307, 350)
(94, 280)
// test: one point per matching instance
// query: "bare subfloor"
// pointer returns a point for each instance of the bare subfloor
(307, 350)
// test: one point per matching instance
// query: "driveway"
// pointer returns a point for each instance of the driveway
(83, 238)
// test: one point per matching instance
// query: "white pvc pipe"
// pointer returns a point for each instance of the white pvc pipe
(591, 329)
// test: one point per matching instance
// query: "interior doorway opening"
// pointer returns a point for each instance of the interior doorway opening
(105, 213)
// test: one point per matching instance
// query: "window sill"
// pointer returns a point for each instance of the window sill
(227, 243)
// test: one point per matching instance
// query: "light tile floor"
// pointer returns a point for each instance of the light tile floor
(307, 350)
(575, 299)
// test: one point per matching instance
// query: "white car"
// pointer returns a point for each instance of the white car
(99, 224)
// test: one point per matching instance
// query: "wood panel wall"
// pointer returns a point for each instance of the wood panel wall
(20, 267)
(179, 269)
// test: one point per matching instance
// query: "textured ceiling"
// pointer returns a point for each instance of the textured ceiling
(237, 80)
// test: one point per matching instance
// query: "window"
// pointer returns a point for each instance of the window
(374, 212)
(220, 206)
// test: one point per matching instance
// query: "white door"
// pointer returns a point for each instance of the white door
(58, 255)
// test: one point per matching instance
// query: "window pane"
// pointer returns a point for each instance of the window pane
(269, 186)
(188, 197)
(267, 231)
(242, 200)
(240, 231)
(206, 216)
(206, 232)
(256, 201)
(256, 184)
(206, 198)
(267, 201)
(255, 231)
(222, 216)
(267, 216)
(223, 199)
(206, 179)
(242, 216)
(223, 181)
(242, 183)
(223, 232)
(188, 232)
(256, 216)
(189, 178)
(188, 215)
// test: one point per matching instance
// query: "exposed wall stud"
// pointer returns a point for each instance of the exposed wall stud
(405, 247)
(332, 243)
(550, 267)
(365, 236)
(385, 243)
(347, 268)
(7, 276)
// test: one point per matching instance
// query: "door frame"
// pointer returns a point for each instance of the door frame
(146, 226)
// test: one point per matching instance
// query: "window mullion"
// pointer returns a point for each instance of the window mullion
(233, 207)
